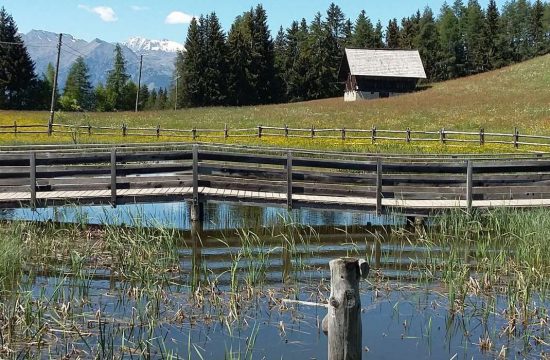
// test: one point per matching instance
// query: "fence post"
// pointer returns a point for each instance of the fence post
(260, 131)
(373, 135)
(32, 176)
(289, 180)
(124, 130)
(516, 137)
(286, 130)
(343, 133)
(481, 136)
(379, 186)
(195, 175)
(442, 135)
(469, 186)
(225, 131)
(343, 321)
(408, 135)
(194, 132)
(113, 177)
(312, 131)
(15, 127)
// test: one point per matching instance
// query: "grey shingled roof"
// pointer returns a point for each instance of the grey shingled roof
(385, 63)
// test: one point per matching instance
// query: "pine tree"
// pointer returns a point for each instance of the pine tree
(279, 47)
(335, 23)
(177, 79)
(378, 38)
(473, 33)
(78, 93)
(193, 84)
(263, 58)
(364, 31)
(18, 81)
(215, 67)
(101, 99)
(493, 37)
(116, 82)
(239, 46)
(410, 28)
(429, 46)
(143, 97)
(452, 49)
(392, 35)
(537, 34)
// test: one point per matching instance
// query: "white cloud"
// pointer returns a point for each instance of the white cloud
(178, 17)
(105, 13)
(139, 8)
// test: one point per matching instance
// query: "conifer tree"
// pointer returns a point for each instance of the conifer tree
(473, 33)
(392, 35)
(240, 52)
(116, 82)
(18, 82)
(537, 34)
(143, 97)
(493, 36)
(364, 31)
(214, 72)
(452, 49)
(378, 38)
(429, 46)
(193, 85)
(78, 93)
(263, 58)
(151, 100)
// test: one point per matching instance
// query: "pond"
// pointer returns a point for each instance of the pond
(142, 282)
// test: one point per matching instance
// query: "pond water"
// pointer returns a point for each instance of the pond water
(222, 298)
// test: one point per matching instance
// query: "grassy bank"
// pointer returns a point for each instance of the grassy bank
(498, 101)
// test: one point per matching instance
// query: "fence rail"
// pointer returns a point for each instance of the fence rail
(373, 135)
(197, 173)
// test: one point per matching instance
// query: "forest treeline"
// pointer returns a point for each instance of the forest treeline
(247, 65)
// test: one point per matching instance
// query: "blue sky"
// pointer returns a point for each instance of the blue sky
(168, 19)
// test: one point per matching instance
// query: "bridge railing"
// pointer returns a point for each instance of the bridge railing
(119, 175)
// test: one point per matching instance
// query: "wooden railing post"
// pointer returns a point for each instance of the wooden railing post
(286, 130)
(289, 180)
(516, 138)
(89, 129)
(408, 139)
(343, 133)
(373, 134)
(225, 131)
(469, 186)
(379, 186)
(32, 176)
(195, 174)
(113, 178)
(158, 131)
(124, 130)
(194, 132)
(260, 131)
(312, 131)
(481, 136)
(343, 321)
(442, 136)
(15, 127)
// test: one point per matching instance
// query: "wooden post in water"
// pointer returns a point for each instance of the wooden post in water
(469, 186)
(197, 211)
(378, 186)
(289, 180)
(32, 176)
(343, 321)
(113, 177)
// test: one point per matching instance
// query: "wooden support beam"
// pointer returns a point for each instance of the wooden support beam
(289, 180)
(195, 174)
(379, 184)
(113, 177)
(32, 176)
(469, 185)
(343, 321)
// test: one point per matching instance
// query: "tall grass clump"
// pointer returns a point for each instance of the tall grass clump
(11, 254)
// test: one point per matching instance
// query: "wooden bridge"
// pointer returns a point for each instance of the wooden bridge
(41, 176)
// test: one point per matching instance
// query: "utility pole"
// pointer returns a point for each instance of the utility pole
(52, 106)
(139, 82)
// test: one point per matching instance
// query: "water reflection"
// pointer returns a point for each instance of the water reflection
(218, 215)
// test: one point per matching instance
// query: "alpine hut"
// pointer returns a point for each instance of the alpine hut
(371, 74)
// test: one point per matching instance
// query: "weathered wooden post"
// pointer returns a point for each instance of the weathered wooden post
(124, 130)
(194, 132)
(158, 131)
(469, 186)
(343, 134)
(289, 180)
(442, 136)
(89, 129)
(32, 176)
(379, 186)
(197, 212)
(516, 137)
(260, 131)
(286, 130)
(113, 177)
(481, 136)
(312, 131)
(15, 127)
(408, 138)
(343, 321)
(225, 131)
(373, 134)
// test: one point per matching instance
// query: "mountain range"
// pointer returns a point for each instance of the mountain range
(158, 57)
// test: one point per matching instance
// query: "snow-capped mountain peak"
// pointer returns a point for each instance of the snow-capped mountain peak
(138, 44)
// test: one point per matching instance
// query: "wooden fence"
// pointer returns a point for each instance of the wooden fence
(312, 179)
(443, 136)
